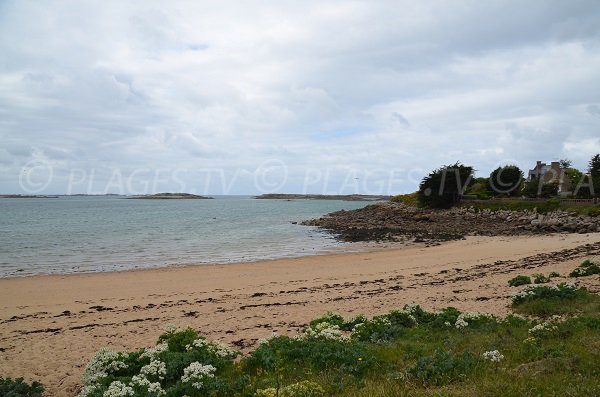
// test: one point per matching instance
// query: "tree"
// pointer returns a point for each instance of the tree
(506, 180)
(594, 166)
(479, 187)
(565, 163)
(579, 183)
(444, 187)
(537, 188)
(594, 172)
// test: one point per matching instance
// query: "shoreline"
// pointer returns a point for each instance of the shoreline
(343, 248)
(52, 324)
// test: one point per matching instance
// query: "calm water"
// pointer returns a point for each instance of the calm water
(90, 234)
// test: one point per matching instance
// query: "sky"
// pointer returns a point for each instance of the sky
(338, 97)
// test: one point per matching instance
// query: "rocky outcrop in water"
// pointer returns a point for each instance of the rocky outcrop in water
(398, 222)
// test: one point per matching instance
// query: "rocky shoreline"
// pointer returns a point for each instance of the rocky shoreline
(337, 197)
(399, 222)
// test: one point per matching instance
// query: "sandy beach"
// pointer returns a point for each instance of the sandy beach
(51, 325)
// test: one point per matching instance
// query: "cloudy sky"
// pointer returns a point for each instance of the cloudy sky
(326, 97)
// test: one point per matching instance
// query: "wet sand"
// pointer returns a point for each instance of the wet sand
(51, 325)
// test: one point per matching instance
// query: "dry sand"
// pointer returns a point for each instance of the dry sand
(51, 325)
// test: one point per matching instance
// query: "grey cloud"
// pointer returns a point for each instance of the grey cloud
(342, 86)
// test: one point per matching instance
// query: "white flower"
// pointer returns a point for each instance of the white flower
(170, 328)
(104, 362)
(460, 323)
(516, 316)
(140, 380)
(462, 320)
(545, 328)
(152, 352)
(264, 341)
(153, 388)
(494, 356)
(87, 390)
(155, 368)
(196, 373)
(118, 389)
(324, 330)
(219, 349)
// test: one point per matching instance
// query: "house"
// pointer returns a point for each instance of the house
(552, 173)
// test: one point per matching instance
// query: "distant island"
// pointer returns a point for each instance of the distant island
(24, 196)
(348, 197)
(171, 196)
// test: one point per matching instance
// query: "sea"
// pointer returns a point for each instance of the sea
(76, 234)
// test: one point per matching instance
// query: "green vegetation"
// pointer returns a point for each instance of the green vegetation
(444, 187)
(505, 181)
(560, 299)
(406, 352)
(539, 278)
(19, 388)
(411, 199)
(536, 188)
(519, 280)
(587, 268)
(447, 185)
(479, 189)
(541, 207)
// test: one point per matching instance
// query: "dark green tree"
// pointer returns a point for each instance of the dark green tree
(594, 171)
(565, 163)
(505, 180)
(594, 166)
(479, 187)
(535, 188)
(445, 186)
(580, 184)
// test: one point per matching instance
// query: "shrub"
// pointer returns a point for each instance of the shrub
(377, 330)
(330, 318)
(539, 278)
(19, 388)
(384, 328)
(533, 292)
(301, 389)
(445, 186)
(351, 323)
(442, 367)
(536, 188)
(178, 340)
(587, 268)
(544, 329)
(519, 280)
(182, 363)
(554, 275)
(283, 353)
(564, 298)
(474, 320)
(505, 180)
(410, 199)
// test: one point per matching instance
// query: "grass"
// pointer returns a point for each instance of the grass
(542, 207)
(410, 199)
(582, 303)
(587, 268)
(406, 352)
(519, 280)
(19, 388)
